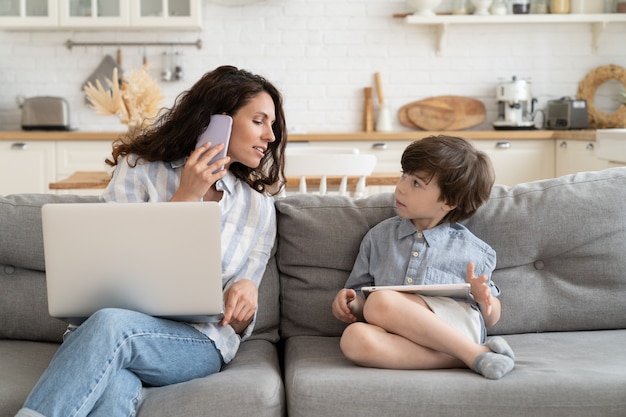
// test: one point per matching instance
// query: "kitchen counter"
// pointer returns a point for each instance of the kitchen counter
(58, 135)
(100, 179)
(584, 135)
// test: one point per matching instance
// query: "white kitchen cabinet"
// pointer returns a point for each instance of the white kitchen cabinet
(136, 14)
(577, 156)
(517, 161)
(26, 166)
(101, 14)
(93, 13)
(166, 13)
(72, 156)
(28, 13)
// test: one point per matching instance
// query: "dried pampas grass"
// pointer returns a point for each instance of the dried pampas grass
(135, 102)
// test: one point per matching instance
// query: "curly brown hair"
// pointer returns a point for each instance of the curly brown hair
(464, 174)
(175, 132)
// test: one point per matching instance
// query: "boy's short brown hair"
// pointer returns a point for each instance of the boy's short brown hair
(463, 173)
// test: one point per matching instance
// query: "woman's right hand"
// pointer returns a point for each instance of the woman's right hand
(197, 176)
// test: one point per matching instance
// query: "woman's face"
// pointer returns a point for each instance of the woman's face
(252, 131)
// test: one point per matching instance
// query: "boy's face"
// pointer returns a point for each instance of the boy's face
(418, 199)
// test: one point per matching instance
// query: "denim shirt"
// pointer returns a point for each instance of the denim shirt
(248, 222)
(394, 252)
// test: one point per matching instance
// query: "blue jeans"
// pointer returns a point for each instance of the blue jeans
(101, 367)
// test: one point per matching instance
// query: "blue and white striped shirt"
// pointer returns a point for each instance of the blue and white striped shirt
(248, 222)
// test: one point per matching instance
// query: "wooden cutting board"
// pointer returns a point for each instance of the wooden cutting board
(442, 113)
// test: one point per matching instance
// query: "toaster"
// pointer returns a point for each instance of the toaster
(566, 113)
(45, 113)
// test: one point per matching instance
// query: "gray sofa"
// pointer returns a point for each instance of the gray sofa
(561, 247)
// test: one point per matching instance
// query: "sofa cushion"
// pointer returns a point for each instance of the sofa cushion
(20, 227)
(573, 374)
(23, 299)
(249, 385)
(560, 243)
(253, 378)
(561, 247)
(319, 239)
(21, 365)
(268, 313)
(24, 307)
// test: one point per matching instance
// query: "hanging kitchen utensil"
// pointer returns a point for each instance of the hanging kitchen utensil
(178, 67)
(368, 110)
(383, 123)
(443, 113)
(103, 71)
(166, 72)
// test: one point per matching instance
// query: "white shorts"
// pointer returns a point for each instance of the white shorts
(457, 314)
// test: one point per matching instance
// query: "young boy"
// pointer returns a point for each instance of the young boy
(444, 180)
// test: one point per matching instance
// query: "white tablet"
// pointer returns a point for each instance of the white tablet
(435, 290)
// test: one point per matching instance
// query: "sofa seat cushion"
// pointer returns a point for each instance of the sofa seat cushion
(250, 385)
(569, 374)
(21, 365)
(254, 375)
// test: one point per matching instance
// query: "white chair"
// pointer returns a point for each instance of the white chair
(319, 162)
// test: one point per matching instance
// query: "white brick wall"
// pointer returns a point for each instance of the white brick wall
(321, 53)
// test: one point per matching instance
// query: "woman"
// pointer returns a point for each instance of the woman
(101, 367)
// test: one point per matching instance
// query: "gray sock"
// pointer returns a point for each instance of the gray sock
(493, 365)
(499, 345)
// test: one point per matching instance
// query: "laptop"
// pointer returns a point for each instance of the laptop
(162, 259)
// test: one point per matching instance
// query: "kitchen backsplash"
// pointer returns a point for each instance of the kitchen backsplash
(321, 54)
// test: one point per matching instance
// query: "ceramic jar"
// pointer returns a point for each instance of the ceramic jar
(539, 6)
(559, 6)
(521, 6)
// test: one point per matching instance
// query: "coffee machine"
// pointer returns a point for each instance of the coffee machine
(515, 105)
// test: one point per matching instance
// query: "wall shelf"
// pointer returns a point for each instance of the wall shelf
(442, 22)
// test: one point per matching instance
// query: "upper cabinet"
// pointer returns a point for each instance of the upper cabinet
(93, 13)
(33, 13)
(166, 13)
(103, 14)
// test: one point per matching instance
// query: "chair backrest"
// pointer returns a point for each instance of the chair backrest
(324, 164)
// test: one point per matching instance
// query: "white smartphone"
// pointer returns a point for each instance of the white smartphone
(218, 131)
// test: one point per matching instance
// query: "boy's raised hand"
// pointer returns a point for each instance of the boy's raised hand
(479, 288)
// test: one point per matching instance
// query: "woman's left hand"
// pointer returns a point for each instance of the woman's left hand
(240, 304)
